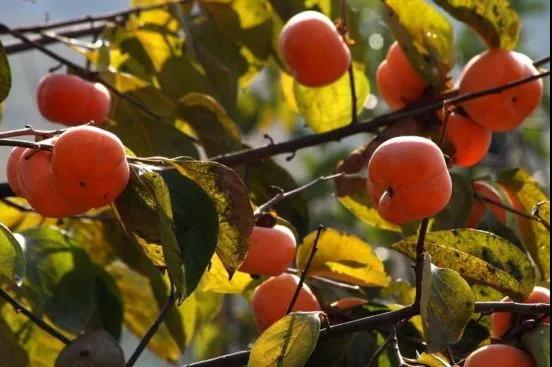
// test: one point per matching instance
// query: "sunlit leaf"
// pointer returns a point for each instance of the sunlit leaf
(289, 342)
(495, 20)
(235, 215)
(446, 306)
(5, 74)
(34, 347)
(524, 192)
(216, 279)
(537, 342)
(432, 360)
(329, 107)
(360, 205)
(426, 37)
(343, 257)
(480, 257)
(12, 259)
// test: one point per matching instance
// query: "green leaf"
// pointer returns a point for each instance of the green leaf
(480, 257)
(230, 196)
(188, 227)
(457, 211)
(329, 107)
(343, 257)
(446, 306)
(289, 342)
(12, 260)
(537, 342)
(5, 74)
(524, 192)
(11, 353)
(67, 285)
(145, 134)
(426, 37)
(495, 20)
(216, 131)
(94, 348)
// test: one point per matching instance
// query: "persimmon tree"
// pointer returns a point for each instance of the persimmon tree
(147, 212)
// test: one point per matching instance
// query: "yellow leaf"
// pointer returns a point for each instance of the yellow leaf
(215, 279)
(343, 257)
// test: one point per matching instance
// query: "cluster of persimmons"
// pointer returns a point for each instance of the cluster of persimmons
(408, 177)
(86, 167)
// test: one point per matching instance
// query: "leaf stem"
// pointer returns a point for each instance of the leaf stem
(18, 307)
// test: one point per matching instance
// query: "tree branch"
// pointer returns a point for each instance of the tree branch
(367, 126)
(513, 210)
(368, 323)
(152, 329)
(18, 307)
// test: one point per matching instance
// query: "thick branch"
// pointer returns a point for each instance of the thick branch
(367, 126)
(367, 323)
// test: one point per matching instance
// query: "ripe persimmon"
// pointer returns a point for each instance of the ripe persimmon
(270, 251)
(271, 299)
(506, 110)
(398, 83)
(469, 141)
(12, 169)
(501, 322)
(71, 100)
(479, 206)
(313, 49)
(402, 68)
(38, 187)
(408, 179)
(89, 164)
(499, 355)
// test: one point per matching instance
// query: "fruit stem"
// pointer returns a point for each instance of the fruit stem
(314, 248)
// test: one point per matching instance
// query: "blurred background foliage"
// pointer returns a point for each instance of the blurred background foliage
(228, 53)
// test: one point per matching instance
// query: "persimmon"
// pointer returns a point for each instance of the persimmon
(469, 141)
(313, 49)
(270, 250)
(271, 299)
(400, 65)
(71, 100)
(398, 83)
(408, 179)
(506, 110)
(38, 187)
(501, 322)
(479, 206)
(499, 355)
(12, 169)
(391, 89)
(89, 164)
(348, 303)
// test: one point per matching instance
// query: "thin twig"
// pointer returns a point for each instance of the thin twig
(344, 30)
(281, 196)
(419, 267)
(122, 14)
(30, 131)
(152, 329)
(394, 343)
(331, 282)
(299, 287)
(513, 210)
(387, 341)
(18, 307)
